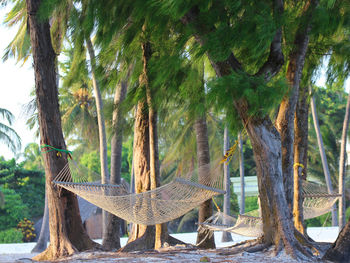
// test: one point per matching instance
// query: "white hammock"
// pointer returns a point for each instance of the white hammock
(157, 206)
(317, 202)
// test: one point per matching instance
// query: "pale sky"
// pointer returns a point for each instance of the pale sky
(16, 84)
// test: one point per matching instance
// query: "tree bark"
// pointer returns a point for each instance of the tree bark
(300, 157)
(101, 129)
(226, 236)
(285, 118)
(324, 159)
(146, 162)
(277, 225)
(265, 139)
(141, 236)
(67, 234)
(204, 240)
(112, 240)
(340, 250)
(41, 244)
(342, 167)
(241, 174)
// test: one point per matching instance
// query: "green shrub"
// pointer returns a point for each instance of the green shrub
(320, 221)
(347, 213)
(27, 228)
(11, 235)
(13, 211)
(251, 203)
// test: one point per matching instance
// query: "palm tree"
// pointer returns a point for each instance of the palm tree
(342, 161)
(226, 236)
(33, 157)
(65, 238)
(8, 135)
(323, 158)
(101, 127)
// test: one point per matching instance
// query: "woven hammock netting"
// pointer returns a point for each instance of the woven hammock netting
(157, 206)
(317, 201)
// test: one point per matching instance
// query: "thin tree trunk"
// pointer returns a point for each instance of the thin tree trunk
(101, 129)
(161, 229)
(41, 244)
(204, 239)
(342, 167)
(112, 240)
(324, 159)
(241, 174)
(300, 157)
(340, 250)
(226, 236)
(67, 234)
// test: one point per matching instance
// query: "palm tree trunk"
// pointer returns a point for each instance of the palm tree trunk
(226, 236)
(41, 244)
(101, 129)
(324, 159)
(300, 157)
(141, 236)
(205, 210)
(67, 234)
(241, 174)
(342, 167)
(112, 240)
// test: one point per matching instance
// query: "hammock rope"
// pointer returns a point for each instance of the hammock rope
(317, 202)
(157, 206)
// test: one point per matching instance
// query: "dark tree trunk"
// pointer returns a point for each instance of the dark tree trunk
(267, 154)
(67, 234)
(226, 236)
(41, 244)
(204, 239)
(340, 251)
(300, 157)
(342, 162)
(266, 142)
(112, 240)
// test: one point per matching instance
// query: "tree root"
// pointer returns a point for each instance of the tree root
(305, 249)
(250, 241)
(144, 243)
(52, 253)
(172, 241)
(249, 246)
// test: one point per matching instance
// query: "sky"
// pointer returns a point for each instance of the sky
(17, 82)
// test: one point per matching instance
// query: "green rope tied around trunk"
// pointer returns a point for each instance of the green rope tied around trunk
(69, 153)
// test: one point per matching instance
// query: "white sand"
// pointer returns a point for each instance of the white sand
(18, 252)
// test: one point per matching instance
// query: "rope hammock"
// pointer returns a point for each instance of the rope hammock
(156, 206)
(317, 202)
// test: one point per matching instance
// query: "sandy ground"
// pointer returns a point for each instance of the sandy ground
(21, 252)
